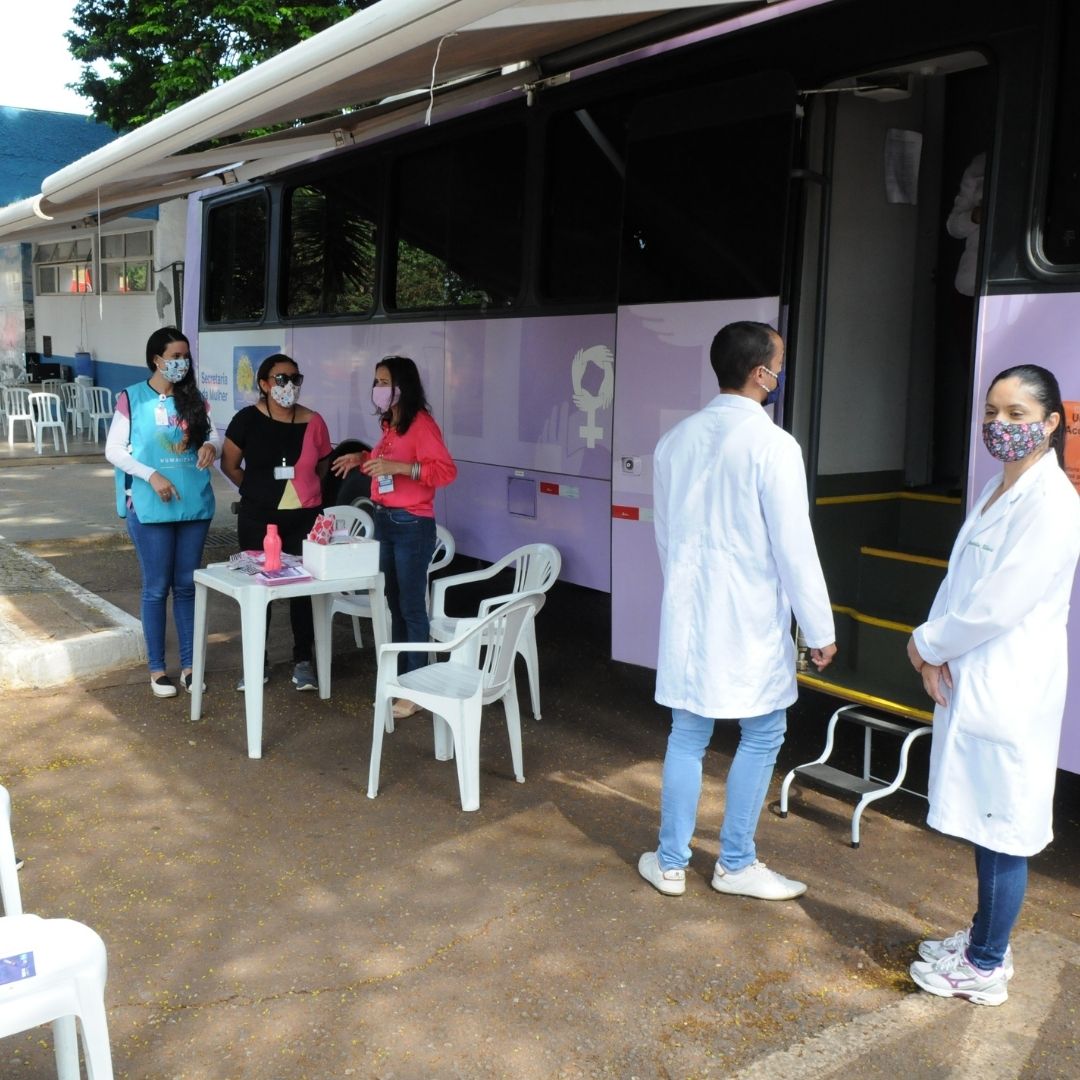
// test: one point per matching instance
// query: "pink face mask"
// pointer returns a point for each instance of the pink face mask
(384, 398)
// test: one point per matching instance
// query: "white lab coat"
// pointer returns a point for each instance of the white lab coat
(733, 531)
(959, 223)
(999, 621)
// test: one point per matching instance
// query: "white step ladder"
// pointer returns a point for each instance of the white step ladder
(870, 788)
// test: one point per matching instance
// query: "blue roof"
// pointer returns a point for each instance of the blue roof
(35, 143)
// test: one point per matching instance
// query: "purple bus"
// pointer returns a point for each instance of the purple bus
(895, 189)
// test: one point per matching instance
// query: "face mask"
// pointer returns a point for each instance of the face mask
(285, 395)
(773, 395)
(384, 398)
(176, 367)
(1011, 442)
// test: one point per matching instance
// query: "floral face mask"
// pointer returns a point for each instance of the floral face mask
(1011, 442)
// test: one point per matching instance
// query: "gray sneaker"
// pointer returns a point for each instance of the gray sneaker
(240, 683)
(758, 881)
(303, 676)
(931, 951)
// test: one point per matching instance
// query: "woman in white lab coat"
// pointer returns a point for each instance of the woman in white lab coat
(993, 657)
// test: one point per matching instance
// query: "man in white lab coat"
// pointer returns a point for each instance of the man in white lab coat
(733, 530)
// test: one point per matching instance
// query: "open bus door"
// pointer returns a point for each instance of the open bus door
(703, 244)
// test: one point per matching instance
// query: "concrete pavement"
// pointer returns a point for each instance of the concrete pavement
(264, 919)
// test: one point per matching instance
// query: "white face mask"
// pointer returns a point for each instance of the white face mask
(176, 367)
(286, 395)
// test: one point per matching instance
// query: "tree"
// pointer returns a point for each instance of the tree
(143, 57)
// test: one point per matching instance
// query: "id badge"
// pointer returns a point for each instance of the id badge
(386, 484)
(284, 472)
(161, 416)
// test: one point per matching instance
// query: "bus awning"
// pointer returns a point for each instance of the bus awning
(393, 65)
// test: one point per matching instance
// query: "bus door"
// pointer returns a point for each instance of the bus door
(888, 298)
(704, 234)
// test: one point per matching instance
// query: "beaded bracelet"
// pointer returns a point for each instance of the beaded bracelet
(415, 472)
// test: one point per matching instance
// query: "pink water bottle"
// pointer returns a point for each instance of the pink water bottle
(272, 549)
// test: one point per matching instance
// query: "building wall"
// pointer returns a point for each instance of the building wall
(113, 328)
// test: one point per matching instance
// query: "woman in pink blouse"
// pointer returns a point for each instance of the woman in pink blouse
(406, 466)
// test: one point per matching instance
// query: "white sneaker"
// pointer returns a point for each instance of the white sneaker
(669, 882)
(955, 976)
(932, 950)
(756, 880)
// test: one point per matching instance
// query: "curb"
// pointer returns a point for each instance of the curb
(39, 660)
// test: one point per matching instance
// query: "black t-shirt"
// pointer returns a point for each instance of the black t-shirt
(267, 444)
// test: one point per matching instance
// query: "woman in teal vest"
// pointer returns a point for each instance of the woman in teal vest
(163, 443)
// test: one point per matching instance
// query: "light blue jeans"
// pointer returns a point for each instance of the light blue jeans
(747, 784)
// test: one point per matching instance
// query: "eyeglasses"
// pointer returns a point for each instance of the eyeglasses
(283, 377)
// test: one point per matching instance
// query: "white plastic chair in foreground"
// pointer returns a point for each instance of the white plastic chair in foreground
(48, 416)
(68, 980)
(479, 672)
(536, 568)
(99, 408)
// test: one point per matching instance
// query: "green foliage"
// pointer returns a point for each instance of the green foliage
(142, 58)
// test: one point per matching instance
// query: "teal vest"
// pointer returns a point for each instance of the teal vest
(158, 445)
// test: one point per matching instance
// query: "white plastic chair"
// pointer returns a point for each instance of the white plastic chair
(83, 385)
(357, 604)
(51, 386)
(69, 395)
(479, 672)
(99, 408)
(536, 568)
(17, 408)
(70, 968)
(48, 416)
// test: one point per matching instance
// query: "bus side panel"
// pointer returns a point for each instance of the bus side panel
(664, 376)
(528, 420)
(1041, 329)
(532, 393)
(492, 509)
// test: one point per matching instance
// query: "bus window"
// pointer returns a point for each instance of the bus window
(1061, 223)
(706, 196)
(584, 166)
(236, 249)
(329, 245)
(458, 223)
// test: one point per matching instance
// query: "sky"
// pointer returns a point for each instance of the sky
(35, 63)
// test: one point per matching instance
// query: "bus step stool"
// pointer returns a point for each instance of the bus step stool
(868, 787)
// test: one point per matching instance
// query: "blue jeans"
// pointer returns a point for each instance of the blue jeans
(747, 784)
(169, 554)
(1002, 884)
(406, 545)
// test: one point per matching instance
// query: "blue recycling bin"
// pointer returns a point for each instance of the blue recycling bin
(84, 364)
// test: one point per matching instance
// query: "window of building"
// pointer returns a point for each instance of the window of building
(236, 251)
(64, 268)
(458, 223)
(329, 245)
(127, 262)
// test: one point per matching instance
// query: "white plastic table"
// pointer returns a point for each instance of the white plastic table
(252, 596)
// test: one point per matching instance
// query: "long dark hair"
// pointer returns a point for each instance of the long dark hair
(1043, 387)
(405, 377)
(190, 406)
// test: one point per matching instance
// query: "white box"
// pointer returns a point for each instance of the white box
(356, 557)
